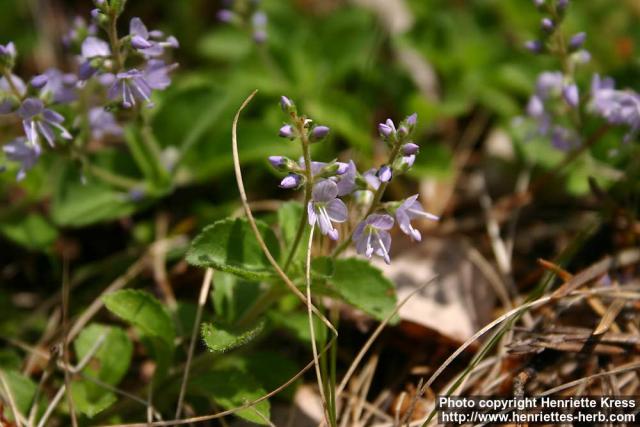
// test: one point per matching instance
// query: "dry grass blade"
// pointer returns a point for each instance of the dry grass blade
(17, 416)
(252, 221)
(202, 300)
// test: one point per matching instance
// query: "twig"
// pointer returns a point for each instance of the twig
(56, 400)
(314, 347)
(202, 300)
(12, 403)
(65, 339)
(252, 221)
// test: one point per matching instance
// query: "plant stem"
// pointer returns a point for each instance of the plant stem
(308, 188)
(111, 178)
(115, 43)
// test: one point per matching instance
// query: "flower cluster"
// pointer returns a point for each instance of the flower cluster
(246, 14)
(328, 185)
(557, 101)
(120, 73)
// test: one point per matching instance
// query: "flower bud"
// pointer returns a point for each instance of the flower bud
(534, 46)
(385, 130)
(39, 81)
(410, 148)
(577, 41)
(318, 133)
(138, 42)
(291, 181)
(547, 25)
(8, 55)
(287, 131)
(538, 3)
(342, 168)
(287, 105)
(385, 174)
(570, 95)
(403, 132)
(412, 120)
(225, 15)
(277, 162)
(561, 6)
(259, 36)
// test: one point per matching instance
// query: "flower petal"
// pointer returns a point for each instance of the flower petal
(324, 191)
(337, 210)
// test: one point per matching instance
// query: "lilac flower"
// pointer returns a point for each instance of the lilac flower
(410, 148)
(286, 104)
(277, 162)
(385, 174)
(407, 162)
(347, 181)
(156, 74)
(387, 129)
(616, 106)
(21, 152)
(372, 236)
(408, 210)
(8, 55)
(547, 25)
(61, 86)
(13, 85)
(103, 123)
(129, 87)
(292, 180)
(570, 95)
(92, 48)
(259, 24)
(287, 131)
(40, 121)
(225, 15)
(371, 178)
(39, 81)
(577, 40)
(564, 139)
(412, 120)
(148, 43)
(549, 83)
(534, 46)
(324, 208)
(318, 133)
(79, 30)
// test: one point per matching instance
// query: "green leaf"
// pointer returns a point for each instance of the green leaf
(31, 231)
(230, 246)
(232, 387)
(77, 204)
(22, 389)
(323, 267)
(114, 354)
(87, 402)
(221, 338)
(297, 324)
(143, 310)
(232, 296)
(365, 287)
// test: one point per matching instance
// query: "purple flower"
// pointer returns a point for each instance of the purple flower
(412, 120)
(277, 162)
(372, 236)
(410, 148)
(371, 178)
(292, 180)
(129, 87)
(538, 3)
(570, 95)
(259, 23)
(8, 55)
(61, 86)
(549, 83)
(534, 46)
(324, 208)
(24, 153)
(40, 121)
(407, 162)
(148, 43)
(259, 36)
(346, 181)
(39, 81)
(287, 131)
(93, 47)
(562, 5)
(387, 129)
(564, 139)
(79, 30)
(577, 41)
(318, 133)
(408, 210)
(225, 15)
(103, 123)
(616, 106)
(385, 174)
(286, 104)
(16, 83)
(547, 25)
(156, 74)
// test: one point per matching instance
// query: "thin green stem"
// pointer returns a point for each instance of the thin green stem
(115, 43)
(308, 188)
(111, 178)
